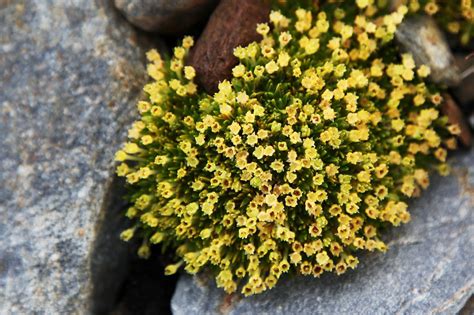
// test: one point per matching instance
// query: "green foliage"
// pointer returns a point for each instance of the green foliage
(297, 162)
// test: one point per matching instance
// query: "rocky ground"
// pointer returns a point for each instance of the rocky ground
(428, 268)
(71, 73)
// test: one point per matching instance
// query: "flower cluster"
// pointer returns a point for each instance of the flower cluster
(457, 17)
(297, 162)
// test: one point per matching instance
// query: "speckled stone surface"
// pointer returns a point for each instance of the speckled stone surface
(428, 269)
(70, 74)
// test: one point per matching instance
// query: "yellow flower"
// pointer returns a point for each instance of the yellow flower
(322, 258)
(283, 59)
(431, 8)
(362, 3)
(188, 42)
(153, 56)
(259, 152)
(363, 176)
(397, 124)
(263, 28)
(346, 32)
(329, 113)
(440, 154)
(242, 97)
(179, 52)
(189, 72)
(423, 71)
(226, 110)
(311, 46)
(144, 251)
(147, 139)
(259, 71)
(121, 156)
(341, 267)
(284, 38)
(454, 129)
(238, 71)
(271, 67)
(157, 238)
(334, 43)
(314, 231)
(234, 128)
(127, 234)
(172, 269)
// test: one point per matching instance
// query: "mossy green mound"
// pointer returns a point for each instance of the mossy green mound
(296, 163)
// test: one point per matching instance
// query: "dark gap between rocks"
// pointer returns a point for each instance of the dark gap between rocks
(146, 290)
(110, 257)
(124, 284)
(468, 308)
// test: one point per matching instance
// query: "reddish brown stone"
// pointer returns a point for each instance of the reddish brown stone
(455, 116)
(464, 92)
(232, 24)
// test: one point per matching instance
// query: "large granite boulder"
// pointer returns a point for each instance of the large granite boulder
(70, 73)
(428, 269)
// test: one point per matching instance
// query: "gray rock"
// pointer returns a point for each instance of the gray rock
(420, 36)
(70, 74)
(428, 269)
(168, 17)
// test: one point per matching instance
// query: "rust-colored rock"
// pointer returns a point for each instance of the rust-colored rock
(455, 116)
(464, 92)
(232, 24)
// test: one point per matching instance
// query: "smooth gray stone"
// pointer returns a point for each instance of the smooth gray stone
(170, 17)
(428, 269)
(70, 75)
(420, 36)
